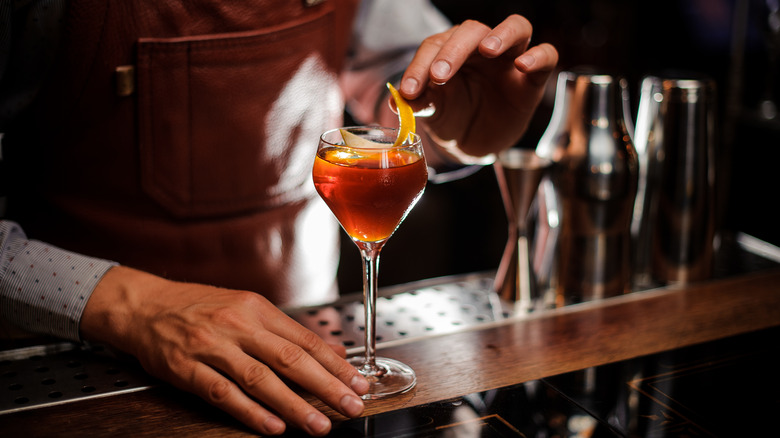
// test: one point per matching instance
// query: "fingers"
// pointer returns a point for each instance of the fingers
(259, 381)
(511, 36)
(540, 59)
(224, 394)
(281, 348)
(456, 50)
(441, 56)
(315, 367)
(326, 356)
(259, 375)
(416, 75)
(339, 349)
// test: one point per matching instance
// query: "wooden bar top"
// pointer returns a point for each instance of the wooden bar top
(490, 356)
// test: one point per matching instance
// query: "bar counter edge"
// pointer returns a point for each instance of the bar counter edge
(495, 355)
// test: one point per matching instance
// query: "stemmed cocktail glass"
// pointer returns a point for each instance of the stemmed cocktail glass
(370, 184)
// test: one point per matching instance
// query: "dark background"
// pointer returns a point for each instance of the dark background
(460, 227)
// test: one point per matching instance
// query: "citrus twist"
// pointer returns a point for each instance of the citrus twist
(405, 116)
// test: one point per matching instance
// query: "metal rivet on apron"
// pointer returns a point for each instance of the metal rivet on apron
(309, 3)
(125, 80)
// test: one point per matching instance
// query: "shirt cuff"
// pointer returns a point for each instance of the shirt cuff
(44, 289)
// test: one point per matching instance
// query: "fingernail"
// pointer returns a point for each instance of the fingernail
(351, 405)
(410, 85)
(359, 384)
(441, 69)
(526, 60)
(273, 425)
(317, 423)
(492, 43)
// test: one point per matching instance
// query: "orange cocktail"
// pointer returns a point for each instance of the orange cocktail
(369, 191)
(371, 178)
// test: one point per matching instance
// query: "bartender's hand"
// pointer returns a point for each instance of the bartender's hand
(484, 84)
(229, 347)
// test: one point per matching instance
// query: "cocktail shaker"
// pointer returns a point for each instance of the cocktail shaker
(595, 174)
(674, 217)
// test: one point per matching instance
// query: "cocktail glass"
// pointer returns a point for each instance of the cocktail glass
(370, 186)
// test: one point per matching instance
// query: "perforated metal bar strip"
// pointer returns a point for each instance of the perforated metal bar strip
(59, 373)
(408, 314)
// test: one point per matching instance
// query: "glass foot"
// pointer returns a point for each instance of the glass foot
(390, 376)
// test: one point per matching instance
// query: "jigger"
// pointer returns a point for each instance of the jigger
(519, 172)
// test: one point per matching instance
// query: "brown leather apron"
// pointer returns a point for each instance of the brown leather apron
(202, 173)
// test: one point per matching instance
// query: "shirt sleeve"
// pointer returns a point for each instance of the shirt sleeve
(44, 289)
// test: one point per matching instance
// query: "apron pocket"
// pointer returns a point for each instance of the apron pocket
(204, 125)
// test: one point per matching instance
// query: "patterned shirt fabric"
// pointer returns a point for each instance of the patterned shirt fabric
(44, 289)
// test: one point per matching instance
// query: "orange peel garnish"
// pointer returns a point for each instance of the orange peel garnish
(405, 116)
(358, 142)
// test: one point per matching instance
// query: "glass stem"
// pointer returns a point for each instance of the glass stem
(370, 253)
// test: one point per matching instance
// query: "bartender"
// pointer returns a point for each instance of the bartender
(156, 159)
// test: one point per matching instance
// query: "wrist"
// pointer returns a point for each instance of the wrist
(450, 153)
(116, 304)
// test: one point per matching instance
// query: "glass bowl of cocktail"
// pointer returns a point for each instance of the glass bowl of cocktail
(370, 178)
